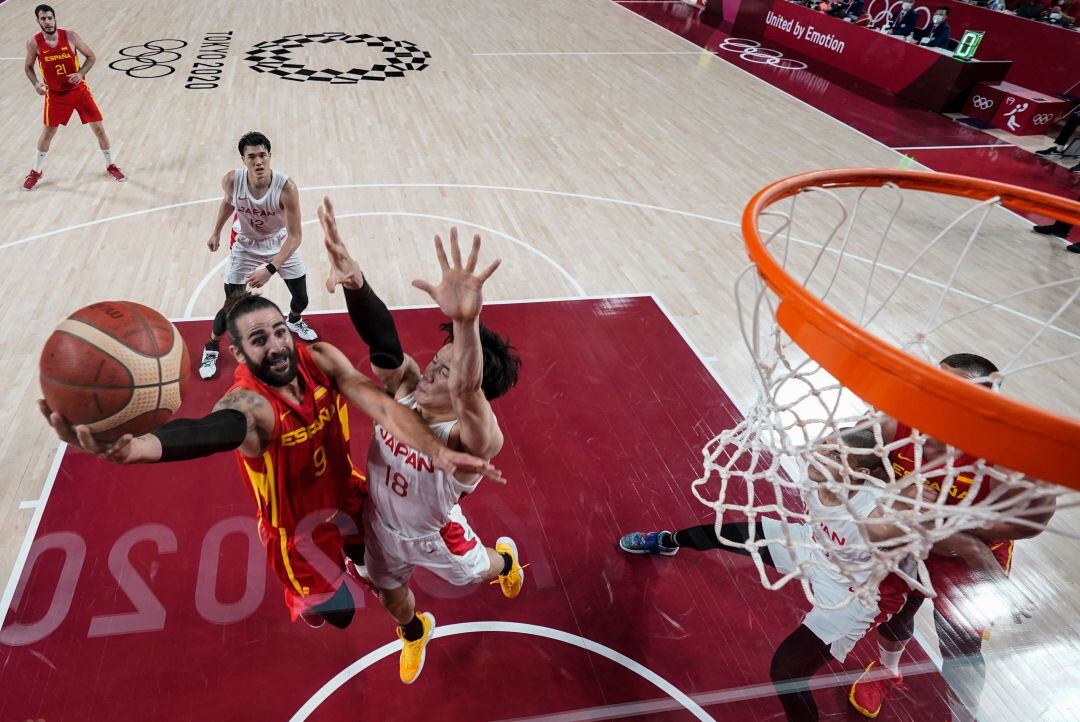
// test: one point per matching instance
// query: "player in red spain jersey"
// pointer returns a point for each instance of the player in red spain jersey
(63, 83)
(960, 628)
(287, 419)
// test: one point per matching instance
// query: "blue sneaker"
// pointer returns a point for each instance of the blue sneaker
(647, 542)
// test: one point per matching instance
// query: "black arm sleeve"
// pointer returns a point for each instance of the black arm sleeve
(183, 439)
(372, 320)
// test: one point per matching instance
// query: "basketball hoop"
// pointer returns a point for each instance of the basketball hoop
(846, 334)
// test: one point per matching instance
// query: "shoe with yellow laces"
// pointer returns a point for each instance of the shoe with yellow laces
(413, 652)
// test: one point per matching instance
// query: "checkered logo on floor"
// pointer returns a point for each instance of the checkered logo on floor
(275, 57)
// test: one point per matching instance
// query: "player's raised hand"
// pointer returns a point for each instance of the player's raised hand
(344, 270)
(449, 462)
(124, 450)
(460, 291)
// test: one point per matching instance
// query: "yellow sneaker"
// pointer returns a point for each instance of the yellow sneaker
(413, 653)
(511, 583)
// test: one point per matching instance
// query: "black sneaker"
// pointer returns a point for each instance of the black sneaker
(1060, 230)
(1051, 152)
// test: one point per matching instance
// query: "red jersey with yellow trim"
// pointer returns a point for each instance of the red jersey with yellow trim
(903, 463)
(306, 468)
(57, 62)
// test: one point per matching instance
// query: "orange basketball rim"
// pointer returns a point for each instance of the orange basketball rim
(989, 425)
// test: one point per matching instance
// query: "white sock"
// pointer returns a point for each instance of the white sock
(39, 159)
(890, 660)
(108, 156)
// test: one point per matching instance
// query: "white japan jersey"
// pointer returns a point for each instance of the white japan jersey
(260, 219)
(836, 533)
(411, 496)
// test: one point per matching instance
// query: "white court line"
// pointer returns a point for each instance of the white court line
(29, 504)
(628, 52)
(541, 191)
(31, 532)
(515, 628)
(708, 699)
(406, 214)
(949, 147)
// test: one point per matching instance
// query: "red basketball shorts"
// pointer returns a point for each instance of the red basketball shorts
(60, 106)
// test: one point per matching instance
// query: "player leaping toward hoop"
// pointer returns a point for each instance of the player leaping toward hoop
(287, 420)
(824, 633)
(63, 83)
(415, 520)
(960, 632)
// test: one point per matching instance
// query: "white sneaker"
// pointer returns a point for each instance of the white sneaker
(208, 365)
(302, 330)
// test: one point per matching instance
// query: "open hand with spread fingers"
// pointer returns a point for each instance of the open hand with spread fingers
(344, 270)
(460, 291)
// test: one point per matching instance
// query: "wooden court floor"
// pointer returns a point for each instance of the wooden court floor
(596, 153)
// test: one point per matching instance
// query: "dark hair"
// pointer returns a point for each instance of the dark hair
(253, 139)
(501, 362)
(43, 9)
(977, 366)
(859, 444)
(942, 8)
(241, 305)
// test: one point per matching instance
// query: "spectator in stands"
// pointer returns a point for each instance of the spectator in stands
(1057, 14)
(1032, 9)
(1063, 139)
(903, 21)
(847, 9)
(937, 34)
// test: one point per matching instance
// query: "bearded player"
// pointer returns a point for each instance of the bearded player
(415, 520)
(63, 83)
(286, 417)
(960, 628)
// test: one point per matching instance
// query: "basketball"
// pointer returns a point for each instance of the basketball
(115, 366)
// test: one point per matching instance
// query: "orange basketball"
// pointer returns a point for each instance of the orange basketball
(116, 366)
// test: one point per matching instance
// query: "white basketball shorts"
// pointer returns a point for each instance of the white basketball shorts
(247, 255)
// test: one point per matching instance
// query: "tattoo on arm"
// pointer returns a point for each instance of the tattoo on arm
(249, 404)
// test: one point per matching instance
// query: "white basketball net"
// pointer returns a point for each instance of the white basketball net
(872, 268)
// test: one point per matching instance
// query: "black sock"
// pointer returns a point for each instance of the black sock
(414, 630)
(508, 564)
(213, 345)
(294, 318)
(668, 540)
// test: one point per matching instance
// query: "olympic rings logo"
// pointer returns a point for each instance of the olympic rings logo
(1042, 118)
(752, 52)
(149, 60)
(982, 103)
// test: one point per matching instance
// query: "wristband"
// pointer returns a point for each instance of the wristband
(272, 268)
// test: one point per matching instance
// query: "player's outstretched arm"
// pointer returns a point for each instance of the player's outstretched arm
(397, 371)
(405, 424)
(460, 296)
(242, 419)
(28, 67)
